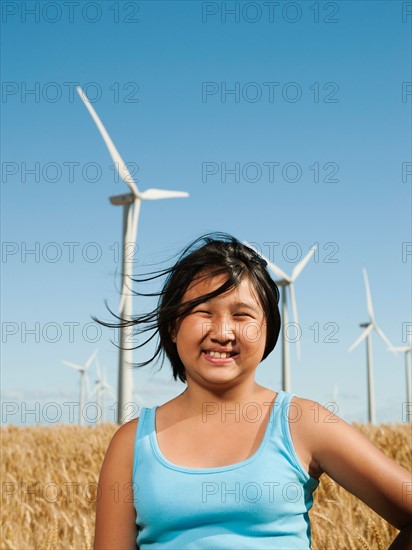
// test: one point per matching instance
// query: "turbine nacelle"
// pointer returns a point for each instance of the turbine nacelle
(122, 200)
(148, 195)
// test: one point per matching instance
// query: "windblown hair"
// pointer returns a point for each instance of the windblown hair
(210, 255)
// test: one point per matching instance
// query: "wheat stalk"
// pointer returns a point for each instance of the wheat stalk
(87, 534)
(52, 536)
(363, 542)
(378, 537)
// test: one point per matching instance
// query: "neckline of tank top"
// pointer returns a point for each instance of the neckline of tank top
(186, 469)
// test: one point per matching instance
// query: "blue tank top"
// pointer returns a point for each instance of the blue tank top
(261, 502)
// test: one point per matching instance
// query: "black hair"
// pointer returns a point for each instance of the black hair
(210, 255)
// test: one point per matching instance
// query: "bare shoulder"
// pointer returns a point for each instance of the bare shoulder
(115, 526)
(123, 441)
(311, 424)
(127, 431)
(311, 412)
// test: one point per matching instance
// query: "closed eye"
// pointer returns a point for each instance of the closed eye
(242, 314)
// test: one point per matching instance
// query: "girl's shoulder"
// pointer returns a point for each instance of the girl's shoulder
(123, 442)
(307, 417)
(309, 424)
(311, 411)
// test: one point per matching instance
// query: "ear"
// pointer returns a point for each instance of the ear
(172, 332)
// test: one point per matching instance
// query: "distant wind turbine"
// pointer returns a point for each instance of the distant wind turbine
(369, 326)
(101, 388)
(83, 380)
(287, 281)
(407, 351)
(131, 207)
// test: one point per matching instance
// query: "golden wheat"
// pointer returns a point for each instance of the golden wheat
(49, 489)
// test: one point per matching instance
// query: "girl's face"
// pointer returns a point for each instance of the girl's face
(222, 340)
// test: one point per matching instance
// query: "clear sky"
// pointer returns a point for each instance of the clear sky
(289, 123)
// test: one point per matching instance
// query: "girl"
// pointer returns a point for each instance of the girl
(230, 464)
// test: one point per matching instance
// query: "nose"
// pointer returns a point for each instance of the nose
(223, 332)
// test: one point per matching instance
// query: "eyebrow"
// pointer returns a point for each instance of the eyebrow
(248, 306)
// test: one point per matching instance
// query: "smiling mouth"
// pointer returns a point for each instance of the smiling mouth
(220, 354)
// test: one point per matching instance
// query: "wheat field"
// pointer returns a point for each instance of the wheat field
(49, 489)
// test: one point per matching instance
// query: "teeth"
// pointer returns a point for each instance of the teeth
(223, 355)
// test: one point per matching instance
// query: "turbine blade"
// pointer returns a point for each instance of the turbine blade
(384, 337)
(104, 377)
(368, 296)
(73, 366)
(114, 153)
(86, 378)
(98, 370)
(95, 390)
(276, 270)
(297, 270)
(400, 348)
(273, 267)
(364, 334)
(90, 360)
(295, 314)
(155, 194)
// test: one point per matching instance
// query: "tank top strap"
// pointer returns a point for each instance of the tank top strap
(284, 413)
(144, 427)
(146, 421)
(279, 411)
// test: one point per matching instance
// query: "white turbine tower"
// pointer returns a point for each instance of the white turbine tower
(83, 380)
(284, 282)
(131, 207)
(407, 351)
(369, 326)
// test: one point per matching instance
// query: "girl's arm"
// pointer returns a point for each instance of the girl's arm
(350, 459)
(115, 513)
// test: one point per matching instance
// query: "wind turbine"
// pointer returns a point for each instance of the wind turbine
(407, 351)
(101, 388)
(285, 282)
(131, 207)
(369, 326)
(83, 380)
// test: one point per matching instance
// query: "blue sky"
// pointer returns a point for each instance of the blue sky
(254, 113)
